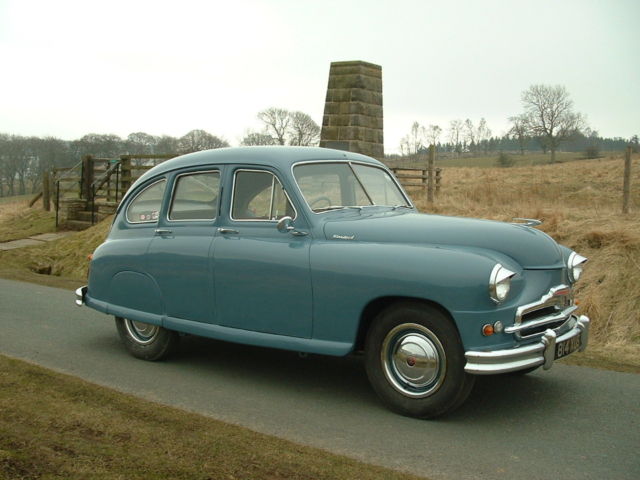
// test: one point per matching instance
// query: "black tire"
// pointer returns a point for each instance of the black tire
(415, 361)
(145, 341)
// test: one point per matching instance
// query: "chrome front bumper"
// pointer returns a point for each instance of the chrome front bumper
(528, 356)
(80, 293)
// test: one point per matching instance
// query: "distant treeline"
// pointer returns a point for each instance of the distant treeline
(24, 159)
(590, 145)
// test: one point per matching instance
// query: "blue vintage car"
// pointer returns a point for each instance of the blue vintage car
(321, 251)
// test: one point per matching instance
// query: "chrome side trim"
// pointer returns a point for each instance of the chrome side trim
(527, 356)
(80, 293)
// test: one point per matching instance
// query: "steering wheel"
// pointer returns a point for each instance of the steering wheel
(319, 200)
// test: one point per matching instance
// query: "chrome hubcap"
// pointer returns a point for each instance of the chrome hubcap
(413, 360)
(142, 333)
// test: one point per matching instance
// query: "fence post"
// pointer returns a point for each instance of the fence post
(46, 194)
(125, 177)
(438, 180)
(87, 177)
(430, 174)
(626, 188)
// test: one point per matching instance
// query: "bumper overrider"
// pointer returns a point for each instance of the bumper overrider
(80, 293)
(550, 347)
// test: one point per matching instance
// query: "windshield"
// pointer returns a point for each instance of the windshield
(336, 185)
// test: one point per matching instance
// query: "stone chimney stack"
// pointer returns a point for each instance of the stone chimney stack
(353, 118)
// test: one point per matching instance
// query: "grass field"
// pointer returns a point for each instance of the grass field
(55, 426)
(488, 161)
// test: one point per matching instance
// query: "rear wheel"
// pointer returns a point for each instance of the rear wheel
(146, 341)
(415, 361)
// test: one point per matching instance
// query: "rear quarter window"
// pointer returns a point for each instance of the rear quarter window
(145, 207)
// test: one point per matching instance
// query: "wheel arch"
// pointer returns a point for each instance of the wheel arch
(377, 305)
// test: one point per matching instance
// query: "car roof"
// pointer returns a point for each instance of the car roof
(280, 157)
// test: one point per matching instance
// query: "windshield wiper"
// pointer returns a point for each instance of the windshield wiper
(333, 207)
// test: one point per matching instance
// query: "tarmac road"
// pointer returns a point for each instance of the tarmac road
(568, 423)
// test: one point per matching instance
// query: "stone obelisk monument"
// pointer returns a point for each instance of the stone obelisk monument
(353, 109)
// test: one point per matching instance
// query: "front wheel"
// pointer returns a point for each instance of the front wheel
(146, 341)
(415, 361)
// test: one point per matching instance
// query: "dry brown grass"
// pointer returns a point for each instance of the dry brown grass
(55, 426)
(580, 203)
(18, 221)
(66, 258)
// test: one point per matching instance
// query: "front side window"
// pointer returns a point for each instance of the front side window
(258, 195)
(336, 185)
(195, 197)
(145, 207)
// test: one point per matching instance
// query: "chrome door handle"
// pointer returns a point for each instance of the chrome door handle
(161, 231)
(227, 230)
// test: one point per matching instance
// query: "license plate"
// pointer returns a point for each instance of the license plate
(567, 347)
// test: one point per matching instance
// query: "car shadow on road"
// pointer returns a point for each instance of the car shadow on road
(343, 379)
(289, 372)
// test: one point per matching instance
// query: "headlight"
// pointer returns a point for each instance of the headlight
(500, 283)
(574, 266)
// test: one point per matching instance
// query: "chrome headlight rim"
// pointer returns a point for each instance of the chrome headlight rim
(575, 264)
(500, 283)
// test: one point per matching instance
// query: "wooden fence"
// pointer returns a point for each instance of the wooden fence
(417, 177)
(91, 189)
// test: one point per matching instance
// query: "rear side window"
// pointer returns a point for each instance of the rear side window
(195, 197)
(145, 207)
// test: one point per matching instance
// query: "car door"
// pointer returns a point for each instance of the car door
(179, 256)
(262, 275)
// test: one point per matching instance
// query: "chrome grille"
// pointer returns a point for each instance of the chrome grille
(550, 312)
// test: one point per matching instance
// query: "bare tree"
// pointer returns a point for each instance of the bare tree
(167, 144)
(257, 138)
(470, 134)
(549, 115)
(15, 161)
(519, 131)
(197, 140)
(414, 141)
(455, 134)
(276, 122)
(433, 133)
(303, 131)
(100, 145)
(483, 134)
(141, 143)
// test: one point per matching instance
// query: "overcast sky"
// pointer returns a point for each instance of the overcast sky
(68, 68)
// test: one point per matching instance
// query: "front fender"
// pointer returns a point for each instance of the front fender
(348, 275)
